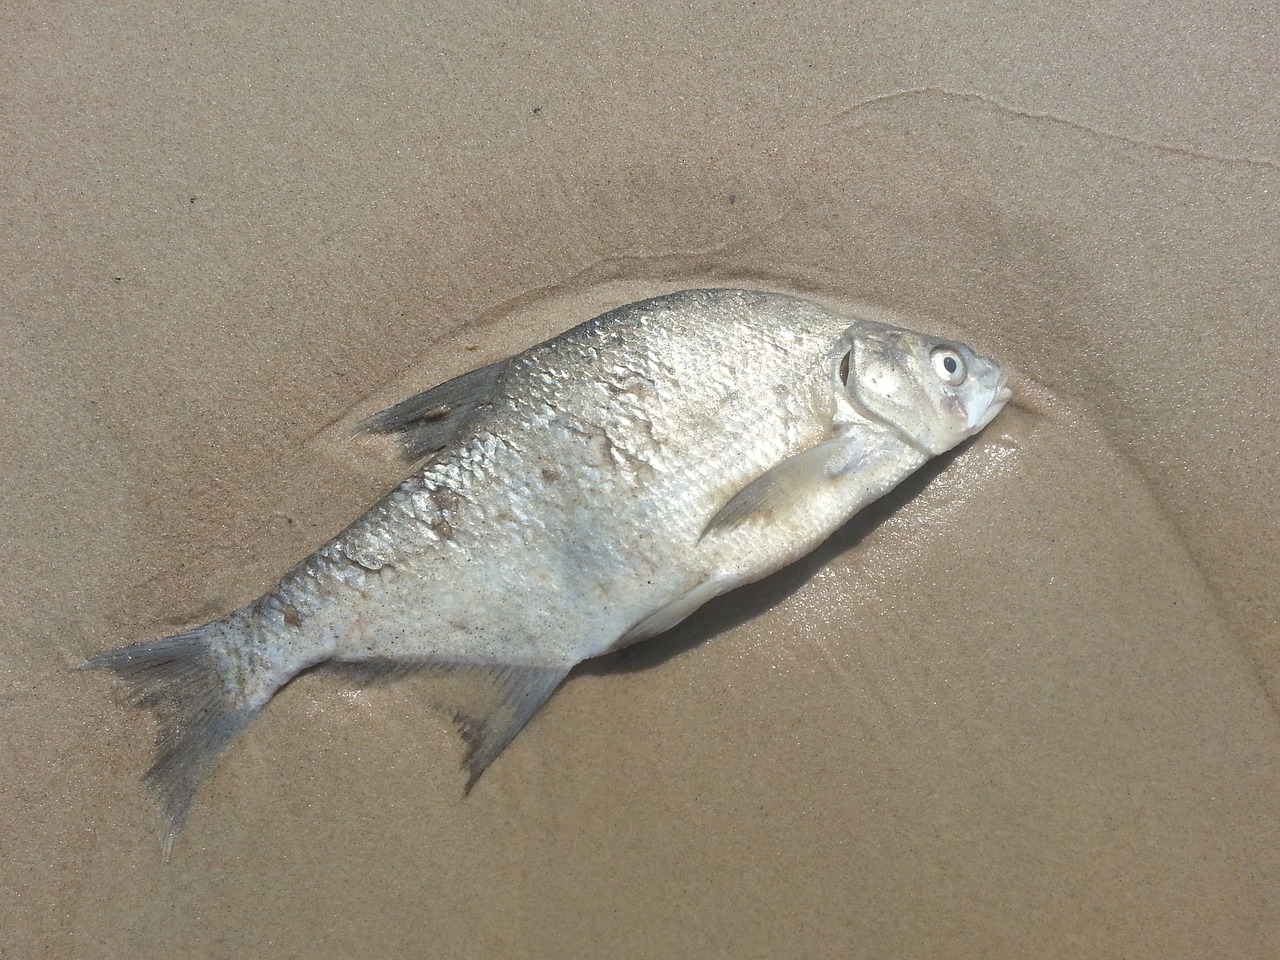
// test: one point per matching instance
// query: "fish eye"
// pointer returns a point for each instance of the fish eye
(949, 366)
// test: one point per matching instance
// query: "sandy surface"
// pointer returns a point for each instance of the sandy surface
(1027, 708)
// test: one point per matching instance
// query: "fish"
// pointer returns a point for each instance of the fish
(568, 501)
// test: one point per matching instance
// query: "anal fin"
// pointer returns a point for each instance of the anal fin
(508, 696)
(490, 702)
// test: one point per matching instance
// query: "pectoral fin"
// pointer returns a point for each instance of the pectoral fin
(777, 491)
(428, 421)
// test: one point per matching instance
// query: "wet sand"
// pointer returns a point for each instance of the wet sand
(1027, 706)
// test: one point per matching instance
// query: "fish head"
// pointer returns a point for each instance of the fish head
(934, 393)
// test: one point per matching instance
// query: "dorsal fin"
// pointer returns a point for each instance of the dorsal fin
(427, 421)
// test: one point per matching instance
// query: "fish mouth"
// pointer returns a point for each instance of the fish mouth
(1002, 395)
(1002, 392)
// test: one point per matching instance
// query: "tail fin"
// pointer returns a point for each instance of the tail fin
(185, 681)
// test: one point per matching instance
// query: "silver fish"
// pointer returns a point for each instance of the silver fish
(586, 494)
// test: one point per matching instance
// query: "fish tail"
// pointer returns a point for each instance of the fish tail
(189, 681)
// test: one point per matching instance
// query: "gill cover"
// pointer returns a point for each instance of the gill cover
(934, 393)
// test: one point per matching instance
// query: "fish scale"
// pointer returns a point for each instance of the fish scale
(588, 493)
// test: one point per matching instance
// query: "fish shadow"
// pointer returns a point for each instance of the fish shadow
(736, 607)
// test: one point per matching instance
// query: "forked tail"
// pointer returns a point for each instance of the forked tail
(188, 683)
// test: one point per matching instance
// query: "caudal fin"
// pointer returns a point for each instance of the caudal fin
(183, 681)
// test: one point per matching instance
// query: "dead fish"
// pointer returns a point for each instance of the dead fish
(586, 494)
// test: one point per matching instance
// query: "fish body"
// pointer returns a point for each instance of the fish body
(588, 493)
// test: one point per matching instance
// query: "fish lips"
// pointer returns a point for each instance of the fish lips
(999, 397)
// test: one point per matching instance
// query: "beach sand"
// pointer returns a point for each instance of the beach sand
(1025, 707)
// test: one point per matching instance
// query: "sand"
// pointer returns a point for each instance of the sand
(1027, 707)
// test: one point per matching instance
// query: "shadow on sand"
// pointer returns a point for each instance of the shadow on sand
(738, 606)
